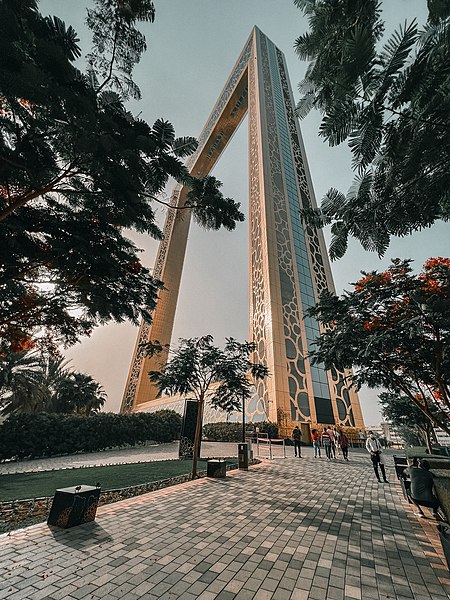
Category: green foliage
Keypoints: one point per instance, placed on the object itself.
(224, 431)
(232, 432)
(205, 372)
(41, 434)
(31, 382)
(402, 413)
(394, 329)
(197, 369)
(392, 106)
(77, 169)
(270, 428)
(410, 437)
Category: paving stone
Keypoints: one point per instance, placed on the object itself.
(259, 538)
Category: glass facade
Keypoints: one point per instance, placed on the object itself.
(318, 374)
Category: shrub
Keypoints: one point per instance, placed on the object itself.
(232, 432)
(42, 434)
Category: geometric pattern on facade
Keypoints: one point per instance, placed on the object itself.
(289, 265)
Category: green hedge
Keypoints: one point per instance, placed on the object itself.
(45, 434)
(232, 432)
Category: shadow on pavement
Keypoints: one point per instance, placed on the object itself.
(83, 536)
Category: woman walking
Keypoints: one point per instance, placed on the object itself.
(315, 442)
(343, 444)
(326, 442)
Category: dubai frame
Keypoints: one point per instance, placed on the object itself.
(289, 265)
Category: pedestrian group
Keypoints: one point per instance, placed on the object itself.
(334, 442)
(331, 439)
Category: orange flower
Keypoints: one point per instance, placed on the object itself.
(373, 324)
(22, 344)
(359, 285)
(431, 263)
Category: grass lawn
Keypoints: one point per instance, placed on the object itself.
(35, 485)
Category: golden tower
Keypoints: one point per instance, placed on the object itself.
(289, 265)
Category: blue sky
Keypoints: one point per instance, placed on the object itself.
(192, 46)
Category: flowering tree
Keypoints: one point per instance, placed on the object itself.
(78, 171)
(394, 329)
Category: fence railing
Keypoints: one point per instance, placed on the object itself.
(268, 448)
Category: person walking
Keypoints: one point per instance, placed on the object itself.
(333, 443)
(376, 454)
(297, 437)
(343, 445)
(336, 433)
(315, 442)
(362, 438)
(326, 442)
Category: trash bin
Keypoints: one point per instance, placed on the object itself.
(216, 468)
(74, 505)
(243, 456)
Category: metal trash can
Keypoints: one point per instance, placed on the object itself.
(243, 456)
(216, 468)
(74, 506)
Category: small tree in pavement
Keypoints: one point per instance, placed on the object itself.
(207, 373)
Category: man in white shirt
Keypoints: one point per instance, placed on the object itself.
(376, 454)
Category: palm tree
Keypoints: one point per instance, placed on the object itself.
(20, 382)
(31, 383)
(79, 393)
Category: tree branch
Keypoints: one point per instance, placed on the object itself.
(22, 200)
(113, 58)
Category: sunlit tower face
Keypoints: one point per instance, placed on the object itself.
(288, 261)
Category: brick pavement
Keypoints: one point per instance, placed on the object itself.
(288, 529)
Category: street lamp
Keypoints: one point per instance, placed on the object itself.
(243, 418)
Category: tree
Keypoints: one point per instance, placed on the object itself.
(404, 415)
(410, 437)
(394, 329)
(31, 382)
(20, 379)
(77, 170)
(207, 373)
(392, 106)
(79, 394)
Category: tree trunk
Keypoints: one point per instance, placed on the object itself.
(426, 432)
(434, 437)
(197, 437)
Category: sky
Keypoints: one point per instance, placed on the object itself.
(192, 47)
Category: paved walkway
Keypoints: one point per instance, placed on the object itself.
(113, 457)
(294, 529)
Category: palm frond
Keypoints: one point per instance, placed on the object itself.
(339, 240)
(366, 140)
(339, 121)
(332, 202)
(184, 146)
(67, 37)
(359, 49)
(395, 54)
(305, 105)
(164, 134)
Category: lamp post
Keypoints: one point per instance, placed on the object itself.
(243, 418)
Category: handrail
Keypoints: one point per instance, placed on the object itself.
(267, 443)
